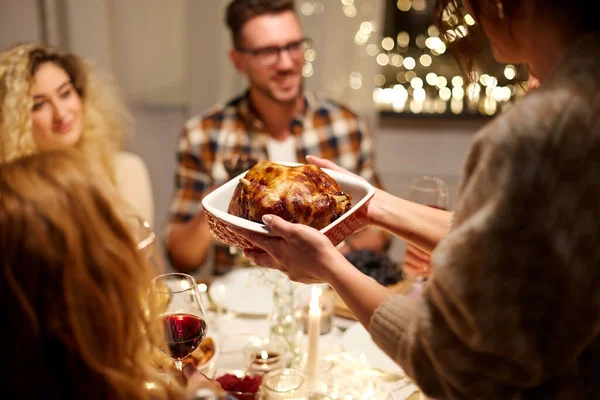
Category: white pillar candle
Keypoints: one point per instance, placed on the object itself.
(314, 331)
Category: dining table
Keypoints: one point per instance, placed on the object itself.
(236, 314)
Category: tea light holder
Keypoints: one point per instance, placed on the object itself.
(323, 381)
(284, 383)
(265, 354)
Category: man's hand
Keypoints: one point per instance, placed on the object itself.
(188, 243)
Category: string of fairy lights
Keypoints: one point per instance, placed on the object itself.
(416, 74)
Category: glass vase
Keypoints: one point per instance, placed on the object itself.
(283, 322)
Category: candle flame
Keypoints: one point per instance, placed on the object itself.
(264, 355)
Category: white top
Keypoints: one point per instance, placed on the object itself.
(133, 184)
(282, 150)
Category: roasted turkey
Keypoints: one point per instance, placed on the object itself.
(303, 194)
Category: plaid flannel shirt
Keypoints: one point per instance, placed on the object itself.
(324, 129)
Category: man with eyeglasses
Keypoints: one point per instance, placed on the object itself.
(274, 119)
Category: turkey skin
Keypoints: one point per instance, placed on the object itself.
(302, 194)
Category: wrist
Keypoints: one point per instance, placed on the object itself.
(335, 267)
(377, 209)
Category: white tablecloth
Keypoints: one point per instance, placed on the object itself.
(232, 332)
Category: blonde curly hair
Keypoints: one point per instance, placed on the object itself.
(105, 118)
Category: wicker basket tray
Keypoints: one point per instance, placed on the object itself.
(216, 205)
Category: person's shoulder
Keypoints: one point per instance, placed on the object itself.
(325, 104)
(215, 114)
(550, 111)
(130, 164)
(128, 160)
(550, 123)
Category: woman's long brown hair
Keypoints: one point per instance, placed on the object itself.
(72, 286)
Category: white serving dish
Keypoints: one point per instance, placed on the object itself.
(216, 205)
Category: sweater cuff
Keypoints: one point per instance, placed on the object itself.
(390, 322)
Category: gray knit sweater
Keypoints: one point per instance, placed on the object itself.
(512, 310)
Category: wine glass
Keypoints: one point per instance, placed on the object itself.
(177, 299)
(145, 238)
(433, 192)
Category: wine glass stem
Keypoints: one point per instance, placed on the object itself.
(179, 365)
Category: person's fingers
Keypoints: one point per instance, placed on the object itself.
(190, 371)
(410, 258)
(264, 242)
(196, 379)
(411, 268)
(179, 376)
(262, 259)
(322, 162)
(280, 227)
(416, 262)
(418, 253)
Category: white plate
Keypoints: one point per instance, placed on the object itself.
(357, 342)
(243, 291)
(217, 201)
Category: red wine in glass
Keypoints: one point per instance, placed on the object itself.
(184, 333)
(176, 299)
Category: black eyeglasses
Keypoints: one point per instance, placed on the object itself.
(270, 55)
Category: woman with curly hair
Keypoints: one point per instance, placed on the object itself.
(72, 288)
(50, 99)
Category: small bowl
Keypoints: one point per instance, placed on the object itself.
(216, 206)
(240, 395)
(205, 356)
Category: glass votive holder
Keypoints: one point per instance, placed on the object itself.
(283, 383)
(264, 354)
(326, 304)
(323, 381)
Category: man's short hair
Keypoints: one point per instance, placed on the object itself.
(241, 11)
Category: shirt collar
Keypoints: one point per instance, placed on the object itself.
(249, 114)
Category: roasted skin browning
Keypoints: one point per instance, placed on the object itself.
(303, 194)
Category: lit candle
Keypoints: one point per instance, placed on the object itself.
(314, 331)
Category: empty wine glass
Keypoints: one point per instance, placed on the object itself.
(145, 238)
(176, 298)
(433, 192)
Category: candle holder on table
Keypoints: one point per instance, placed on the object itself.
(283, 383)
(265, 354)
(322, 384)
